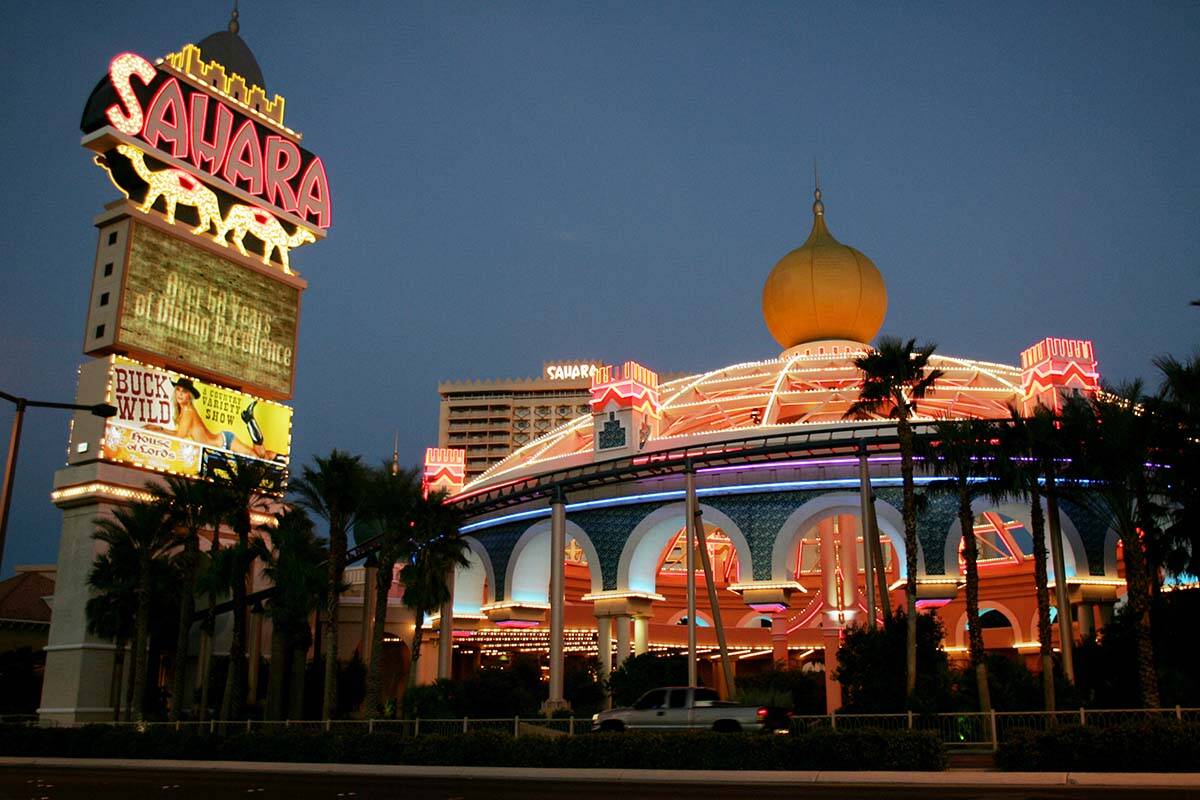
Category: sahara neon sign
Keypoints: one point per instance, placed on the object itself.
(187, 124)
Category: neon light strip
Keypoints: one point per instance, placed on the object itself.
(678, 494)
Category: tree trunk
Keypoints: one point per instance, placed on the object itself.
(141, 640)
(118, 678)
(278, 673)
(187, 607)
(235, 681)
(1045, 629)
(298, 666)
(966, 521)
(416, 647)
(383, 584)
(209, 631)
(1137, 582)
(337, 560)
(904, 431)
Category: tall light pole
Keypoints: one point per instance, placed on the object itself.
(103, 410)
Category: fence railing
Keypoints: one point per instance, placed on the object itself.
(965, 729)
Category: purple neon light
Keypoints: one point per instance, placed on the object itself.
(816, 462)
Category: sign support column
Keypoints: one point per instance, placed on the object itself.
(558, 535)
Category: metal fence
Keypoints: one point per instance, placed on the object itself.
(967, 730)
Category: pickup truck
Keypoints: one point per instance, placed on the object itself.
(687, 708)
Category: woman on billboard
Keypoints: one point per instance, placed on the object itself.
(190, 425)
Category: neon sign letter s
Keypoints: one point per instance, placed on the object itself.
(120, 73)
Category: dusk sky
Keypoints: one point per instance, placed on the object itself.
(520, 182)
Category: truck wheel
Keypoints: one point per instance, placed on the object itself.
(727, 726)
(612, 726)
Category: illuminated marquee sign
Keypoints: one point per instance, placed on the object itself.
(169, 422)
(445, 468)
(1054, 367)
(625, 408)
(569, 371)
(189, 116)
(184, 307)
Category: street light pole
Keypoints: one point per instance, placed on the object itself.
(103, 410)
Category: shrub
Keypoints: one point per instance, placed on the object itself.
(639, 674)
(825, 749)
(1163, 745)
(871, 667)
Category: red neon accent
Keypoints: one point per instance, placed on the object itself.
(772, 608)
(244, 161)
(313, 195)
(128, 120)
(282, 161)
(166, 120)
(185, 180)
(212, 150)
(517, 623)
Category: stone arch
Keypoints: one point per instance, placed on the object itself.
(1075, 559)
(960, 627)
(471, 581)
(746, 620)
(527, 578)
(703, 620)
(891, 525)
(637, 569)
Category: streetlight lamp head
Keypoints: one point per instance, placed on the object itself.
(104, 410)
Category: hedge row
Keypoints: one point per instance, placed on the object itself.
(1148, 746)
(826, 750)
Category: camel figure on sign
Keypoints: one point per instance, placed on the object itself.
(263, 226)
(176, 187)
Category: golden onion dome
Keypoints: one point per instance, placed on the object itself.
(823, 290)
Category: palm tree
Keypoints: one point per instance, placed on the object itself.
(896, 375)
(388, 520)
(112, 607)
(335, 491)
(192, 507)
(1178, 406)
(1020, 467)
(245, 492)
(295, 566)
(1117, 435)
(962, 453)
(435, 549)
(145, 529)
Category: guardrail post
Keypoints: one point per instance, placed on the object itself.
(464, 724)
(247, 726)
(212, 725)
(516, 726)
(995, 732)
(1178, 712)
(178, 725)
(1082, 718)
(833, 722)
(327, 725)
(571, 726)
(371, 725)
(910, 721)
(287, 723)
(417, 727)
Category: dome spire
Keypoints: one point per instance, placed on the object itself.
(818, 206)
(233, 19)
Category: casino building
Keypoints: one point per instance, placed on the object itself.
(578, 539)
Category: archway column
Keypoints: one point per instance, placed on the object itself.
(622, 622)
(604, 653)
(641, 635)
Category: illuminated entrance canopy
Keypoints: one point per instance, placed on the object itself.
(185, 123)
